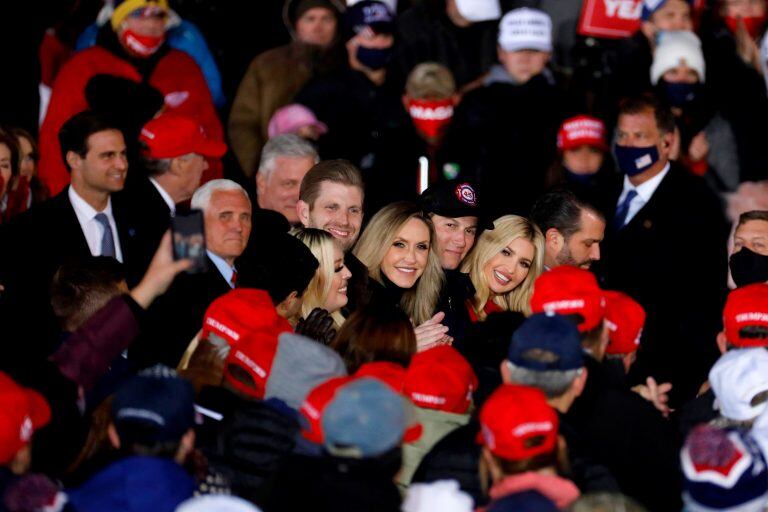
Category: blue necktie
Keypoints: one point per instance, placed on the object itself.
(621, 212)
(107, 241)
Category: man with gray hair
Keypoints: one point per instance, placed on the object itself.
(546, 353)
(285, 160)
(175, 317)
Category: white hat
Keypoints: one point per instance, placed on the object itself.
(525, 29)
(736, 378)
(673, 47)
(479, 10)
(216, 503)
(443, 495)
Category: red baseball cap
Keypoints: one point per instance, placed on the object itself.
(393, 375)
(517, 423)
(567, 290)
(314, 405)
(22, 411)
(253, 355)
(625, 319)
(440, 378)
(746, 307)
(172, 135)
(581, 131)
(241, 311)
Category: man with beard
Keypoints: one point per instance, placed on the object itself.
(331, 198)
(573, 229)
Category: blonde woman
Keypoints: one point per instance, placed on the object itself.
(397, 248)
(503, 266)
(328, 289)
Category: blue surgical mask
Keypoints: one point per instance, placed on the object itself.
(680, 94)
(373, 58)
(633, 160)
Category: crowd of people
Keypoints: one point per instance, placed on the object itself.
(429, 255)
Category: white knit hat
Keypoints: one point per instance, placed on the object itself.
(442, 495)
(479, 10)
(525, 29)
(673, 47)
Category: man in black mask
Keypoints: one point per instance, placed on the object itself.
(664, 246)
(749, 261)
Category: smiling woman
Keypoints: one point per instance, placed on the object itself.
(503, 266)
(397, 249)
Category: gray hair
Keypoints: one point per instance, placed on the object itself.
(287, 145)
(202, 196)
(553, 383)
(156, 166)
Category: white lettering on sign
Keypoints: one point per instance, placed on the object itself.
(623, 9)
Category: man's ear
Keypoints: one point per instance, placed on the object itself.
(114, 439)
(554, 240)
(186, 446)
(579, 382)
(261, 183)
(302, 210)
(287, 304)
(73, 160)
(649, 31)
(722, 342)
(506, 372)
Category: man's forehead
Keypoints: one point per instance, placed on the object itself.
(230, 200)
(754, 227)
(98, 140)
(339, 192)
(468, 220)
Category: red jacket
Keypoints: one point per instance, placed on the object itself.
(176, 76)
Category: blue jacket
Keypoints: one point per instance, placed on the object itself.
(135, 484)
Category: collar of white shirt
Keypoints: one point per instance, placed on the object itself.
(224, 269)
(85, 217)
(645, 190)
(166, 197)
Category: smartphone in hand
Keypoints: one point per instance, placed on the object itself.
(188, 230)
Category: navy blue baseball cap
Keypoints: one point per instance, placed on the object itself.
(546, 342)
(154, 406)
(371, 14)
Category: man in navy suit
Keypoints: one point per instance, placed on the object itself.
(173, 159)
(666, 247)
(79, 222)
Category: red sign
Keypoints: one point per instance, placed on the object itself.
(610, 18)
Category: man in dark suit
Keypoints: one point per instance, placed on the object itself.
(77, 223)
(176, 317)
(666, 247)
(173, 154)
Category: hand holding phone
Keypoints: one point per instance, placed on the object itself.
(188, 231)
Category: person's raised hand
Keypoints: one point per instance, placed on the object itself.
(318, 325)
(698, 149)
(655, 393)
(159, 274)
(432, 333)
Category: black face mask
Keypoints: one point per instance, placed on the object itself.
(748, 267)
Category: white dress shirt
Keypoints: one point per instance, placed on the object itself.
(224, 269)
(91, 228)
(644, 193)
(166, 197)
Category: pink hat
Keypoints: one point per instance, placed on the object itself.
(290, 118)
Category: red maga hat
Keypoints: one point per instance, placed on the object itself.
(567, 290)
(625, 319)
(314, 405)
(253, 357)
(581, 131)
(746, 307)
(517, 423)
(440, 378)
(172, 135)
(22, 411)
(240, 311)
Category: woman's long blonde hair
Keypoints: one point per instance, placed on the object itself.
(322, 245)
(491, 242)
(419, 302)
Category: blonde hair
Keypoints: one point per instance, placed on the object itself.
(430, 80)
(419, 302)
(322, 245)
(491, 242)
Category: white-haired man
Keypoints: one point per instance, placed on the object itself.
(175, 317)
